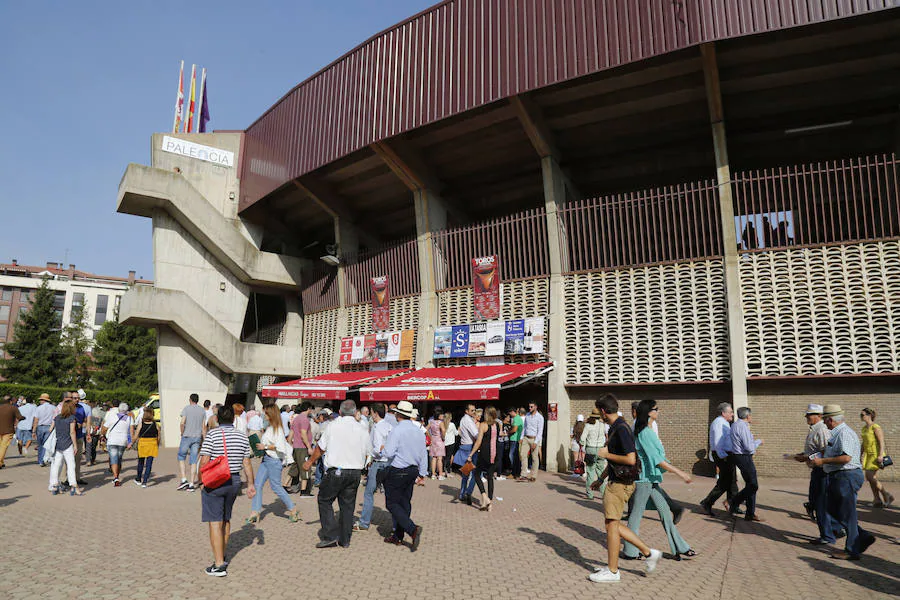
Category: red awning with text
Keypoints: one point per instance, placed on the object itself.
(333, 386)
(451, 383)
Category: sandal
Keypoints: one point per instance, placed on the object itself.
(293, 516)
(689, 554)
(76, 491)
(54, 490)
(252, 519)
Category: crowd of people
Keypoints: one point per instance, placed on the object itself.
(225, 449)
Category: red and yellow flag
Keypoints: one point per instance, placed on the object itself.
(190, 120)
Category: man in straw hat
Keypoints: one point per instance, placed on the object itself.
(405, 449)
(43, 420)
(816, 441)
(844, 477)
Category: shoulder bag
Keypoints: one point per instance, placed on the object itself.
(216, 472)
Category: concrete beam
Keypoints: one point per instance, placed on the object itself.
(144, 189)
(322, 193)
(155, 307)
(737, 354)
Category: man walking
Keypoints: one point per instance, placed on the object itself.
(620, 454)
(719, 451)
(117, 428)
(301, 441)
(380, 431)
(193, 418)
(844, 478)
(345, 449)
(24, 437)
(97, 416)
(468, 432)
(43, 420)
(743, 448)
(405, 449)
(9, 416)
(530, 442)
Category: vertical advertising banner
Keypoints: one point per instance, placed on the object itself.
(381, 303)
(486, 283)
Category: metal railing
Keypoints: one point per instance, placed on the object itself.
(399, 261)
(819, 203)
(673, 223)
(519, 241)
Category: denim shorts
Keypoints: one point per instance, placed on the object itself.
(116, 453)
(23, 435)
(217, 503)
(189, 444)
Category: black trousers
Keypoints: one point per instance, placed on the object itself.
(744, 462)
(727, 483)
(343, 487)
(398, 492)
(488, 471)
(92, 452)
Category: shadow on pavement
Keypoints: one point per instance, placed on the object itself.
(13, 500)
(866, 579)
(244, 538)
(586, 531)
(562, 548)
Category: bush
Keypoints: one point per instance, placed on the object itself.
(134, 398)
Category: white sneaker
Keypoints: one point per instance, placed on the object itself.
(137, 482)
(501, 478)
(651, 561)
(604, 575)
(441, 478)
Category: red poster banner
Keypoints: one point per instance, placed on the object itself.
(381, 303)
(486, 283)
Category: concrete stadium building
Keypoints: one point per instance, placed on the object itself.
(698, 198)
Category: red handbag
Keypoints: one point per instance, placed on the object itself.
(216, 472)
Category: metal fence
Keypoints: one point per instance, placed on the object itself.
(673, 223)
(820, 203)
(320, 288)
(399, 261)
(519, 241)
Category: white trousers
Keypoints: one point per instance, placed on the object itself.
(69, 456)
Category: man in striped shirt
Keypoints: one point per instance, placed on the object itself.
(844, 478)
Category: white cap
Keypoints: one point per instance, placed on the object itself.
(81, 394)
(579, 418)
(814, 409)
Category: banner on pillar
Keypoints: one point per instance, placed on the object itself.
(381, 347)
(486, 284)
(494, 338)
(381, 303)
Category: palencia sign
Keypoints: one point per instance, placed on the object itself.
(223, 158)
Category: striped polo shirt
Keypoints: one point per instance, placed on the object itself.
(238, 446)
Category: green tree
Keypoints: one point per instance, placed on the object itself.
(125, 356)
(75, 345)
(35, 355)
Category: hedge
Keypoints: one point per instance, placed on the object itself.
(134, 398)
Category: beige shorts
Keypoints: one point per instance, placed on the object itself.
(615, 499)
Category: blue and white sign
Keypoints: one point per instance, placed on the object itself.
(459, 341)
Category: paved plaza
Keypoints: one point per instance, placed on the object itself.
(541, 541)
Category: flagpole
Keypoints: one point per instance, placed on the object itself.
(200, 97)
(179, 100)
(190, 119)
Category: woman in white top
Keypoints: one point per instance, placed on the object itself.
(592, 439)
(451, 441)
(278, 454)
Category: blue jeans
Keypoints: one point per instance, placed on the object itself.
(365, 517)
(143, 469)
(189, 445)
(512, 456)
(828, 528)
(42, 432)
(468, 481)
(319, 473)
(269, 469)
(843, 486)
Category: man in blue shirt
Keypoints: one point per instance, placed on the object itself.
(743, 447)
(844, 477)
(24, 427)
(379, 434)
(405, 449)
(719, 453)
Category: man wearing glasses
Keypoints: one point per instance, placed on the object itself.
(532, 436)
(468, 432)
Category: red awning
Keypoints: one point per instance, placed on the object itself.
(333, 386)
(451, 383)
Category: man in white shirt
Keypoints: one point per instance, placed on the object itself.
(24, 438)
(468, 433)
(117, 428)
(719, 451)
(379, 434)
(530, 443)
(345, 448)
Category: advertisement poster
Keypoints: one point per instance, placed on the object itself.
(515, 337)
(533, 341)
(495, 345)
(381, 303)
(385, 346)
(442, 337)
(486, 293)
(477, 339)
(459, 341)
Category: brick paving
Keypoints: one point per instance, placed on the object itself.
(542, 539)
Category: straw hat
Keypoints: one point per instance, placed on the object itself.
(44, 397)
(814, 409)
(404, 408)
(832, 410)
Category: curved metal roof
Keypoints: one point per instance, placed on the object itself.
(462, 54)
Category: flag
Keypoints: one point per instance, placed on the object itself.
(190, 118)
(179, 101)
(204, 105)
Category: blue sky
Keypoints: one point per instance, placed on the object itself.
(86, 83)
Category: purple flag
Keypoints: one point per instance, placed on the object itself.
(204, 112)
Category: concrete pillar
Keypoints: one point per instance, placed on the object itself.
(557, 431)
(431, 216)
(347, 240)
(737, 354)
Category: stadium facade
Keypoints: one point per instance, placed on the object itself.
(698, 199)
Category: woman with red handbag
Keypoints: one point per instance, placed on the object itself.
(224, 452)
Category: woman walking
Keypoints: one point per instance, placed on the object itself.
(488, 450)
(592, 439)
(147, 447)
(872, 457)
(217, 502)
(653, 462)
(64, 426)
(278, 454)
(451, 441)
(437, 431)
